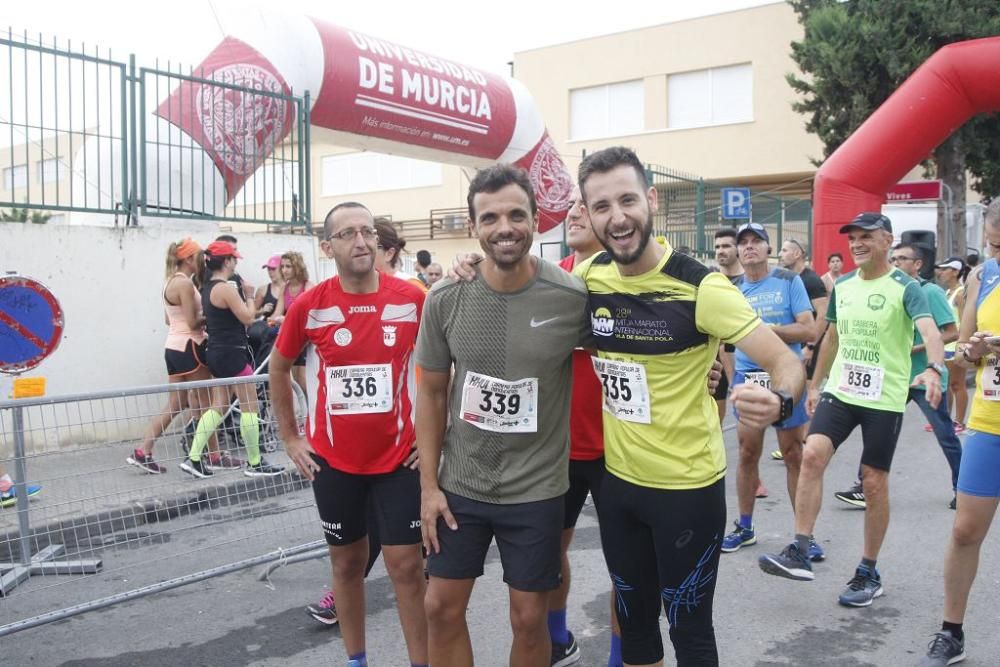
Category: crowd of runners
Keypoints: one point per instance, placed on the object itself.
(490, 407)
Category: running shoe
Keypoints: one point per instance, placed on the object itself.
(761, 490)
(9, 498)
(959, 428)
(224, 461)
(145, 461)
(740, 537)
(853, 496)
(815, 553)
(565, 654)
(263, 469)
(790, 563)
(863, 587)
(944, 650)
(196, 468)
(324, 611)
(777, 455)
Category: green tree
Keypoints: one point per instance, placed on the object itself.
(24, 215)
(855, 53)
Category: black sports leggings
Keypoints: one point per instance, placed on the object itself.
(662, 551)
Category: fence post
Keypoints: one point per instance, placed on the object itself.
(21, 489)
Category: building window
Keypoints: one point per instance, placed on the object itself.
(15, 177)
(51, 170)
(375, 172)
(710, 97)
(611, 110)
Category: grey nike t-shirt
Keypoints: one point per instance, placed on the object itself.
(513, 338)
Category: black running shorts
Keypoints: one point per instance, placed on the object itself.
(584, 477)
(228, 361)
(527, 536)
(879, 429)
(342, 499)
(184, 362)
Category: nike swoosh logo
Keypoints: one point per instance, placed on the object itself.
(539, 323)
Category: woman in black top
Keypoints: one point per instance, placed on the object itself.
(228, 355)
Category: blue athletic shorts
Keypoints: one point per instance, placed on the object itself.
(980, 471)
(799, 416)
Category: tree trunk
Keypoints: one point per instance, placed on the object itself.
(950, 160)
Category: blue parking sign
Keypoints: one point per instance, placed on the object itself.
(735, 203)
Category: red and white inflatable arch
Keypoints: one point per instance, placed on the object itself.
(366, 93)
(956, 83)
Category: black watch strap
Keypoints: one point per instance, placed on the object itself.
(787, 406)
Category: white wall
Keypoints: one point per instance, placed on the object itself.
(109, 281)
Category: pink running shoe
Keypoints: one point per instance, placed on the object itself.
(324, 611)
(145, 461)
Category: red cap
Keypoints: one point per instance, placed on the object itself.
(222, 249)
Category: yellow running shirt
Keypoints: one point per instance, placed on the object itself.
(985, 414)
(657, 335)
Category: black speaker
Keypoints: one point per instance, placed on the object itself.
(924, 241)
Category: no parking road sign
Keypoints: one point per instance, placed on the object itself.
(31, 323)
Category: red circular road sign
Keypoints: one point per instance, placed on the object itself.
(31, 323)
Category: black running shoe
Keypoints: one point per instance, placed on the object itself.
(263, 469)
(196, 468)
(944, 650)
(565, 654)
(854, 496)
(790, 563)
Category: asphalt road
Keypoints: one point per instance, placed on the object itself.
(761, 620)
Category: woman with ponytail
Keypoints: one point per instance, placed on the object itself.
(228, 355)
(184, 351)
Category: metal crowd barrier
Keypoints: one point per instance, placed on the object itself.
(102, 531)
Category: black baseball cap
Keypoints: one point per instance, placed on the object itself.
(868, 221)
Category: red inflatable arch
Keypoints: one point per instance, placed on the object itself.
(956, 83)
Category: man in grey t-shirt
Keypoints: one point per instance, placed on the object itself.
(510, 337)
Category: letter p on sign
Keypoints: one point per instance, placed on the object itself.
(735, 203)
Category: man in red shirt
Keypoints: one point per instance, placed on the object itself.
(358, 329)
(586, 451)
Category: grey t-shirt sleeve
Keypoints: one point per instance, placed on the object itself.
(432, 351)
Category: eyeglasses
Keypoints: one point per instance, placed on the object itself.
(901, 258)
(797, 244)
(367, 233)
(756, 226)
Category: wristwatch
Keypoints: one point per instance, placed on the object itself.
(787, 406)
(940, 369)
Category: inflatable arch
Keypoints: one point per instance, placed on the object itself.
(956, 83)
(366, 93)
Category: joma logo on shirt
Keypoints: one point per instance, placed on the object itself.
(362, 309)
